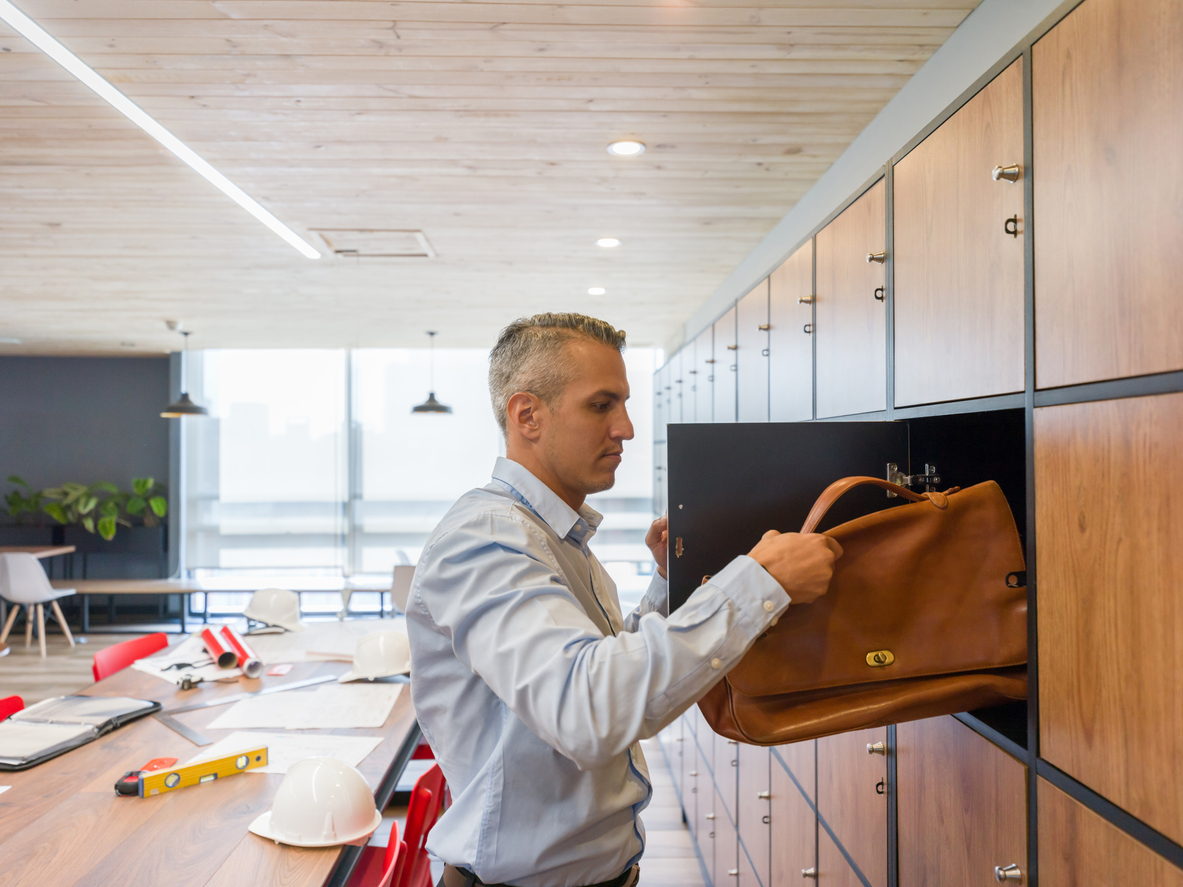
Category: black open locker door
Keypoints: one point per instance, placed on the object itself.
(730, 483)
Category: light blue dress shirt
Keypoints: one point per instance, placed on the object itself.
(534, 691)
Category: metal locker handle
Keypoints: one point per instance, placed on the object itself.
(809, 872)
(1007, 873)
(876, 258)
(876, 748)
(1011, 173)
(764, 796)
(734, 873)
(710, 816)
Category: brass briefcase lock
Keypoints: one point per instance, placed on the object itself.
(880, 658)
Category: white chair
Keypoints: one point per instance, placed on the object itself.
(400, 587)
(23, 581)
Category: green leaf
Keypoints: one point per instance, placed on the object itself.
(109, 508)
(16, 479)
(87, 503)
(55, 510)
(159, 505)
(74, 492)
(136, 505)
(54, 493)
(142, 485)
(104, 487)
(107, 528)
(88, 522)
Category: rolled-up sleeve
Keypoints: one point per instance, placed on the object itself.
(494, 588)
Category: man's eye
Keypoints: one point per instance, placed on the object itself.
(600, 406)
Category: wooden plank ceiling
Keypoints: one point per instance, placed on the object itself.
(482, 124)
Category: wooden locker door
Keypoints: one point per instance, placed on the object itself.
(751, 355)
(962, 805)
(1078, 848)
(689, 382)
(1109, 519)
(794, 826)
(790, 338)
(747, 871)
(958, 272)
(753, 811)
(678, 382)
(832, 868)
(851, 321)
(1106, 98)
(725, 367)
(704, 378)
(849, 781)
(707, 803)
(694, 781)
(726, 769)
(726, 863)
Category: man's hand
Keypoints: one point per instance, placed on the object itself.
(802, 564)
(658, 540)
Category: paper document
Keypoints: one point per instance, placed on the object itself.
(189, 657)
(4, 788)
(285, 749)
(328, 706)
(319, 641)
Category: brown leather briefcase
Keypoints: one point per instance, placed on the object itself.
(925, 616)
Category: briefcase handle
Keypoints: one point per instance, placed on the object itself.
(838, 488)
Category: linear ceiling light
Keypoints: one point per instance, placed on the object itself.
(36, 35)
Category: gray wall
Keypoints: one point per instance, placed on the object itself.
(83, 419)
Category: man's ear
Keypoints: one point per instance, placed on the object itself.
(525, 414)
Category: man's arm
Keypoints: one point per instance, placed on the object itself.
(493, 587)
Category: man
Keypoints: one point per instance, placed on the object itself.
(531, 688)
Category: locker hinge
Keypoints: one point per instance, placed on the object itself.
(929, 479)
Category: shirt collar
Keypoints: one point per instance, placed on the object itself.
(544, 502)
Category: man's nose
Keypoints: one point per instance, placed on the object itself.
(623, 428)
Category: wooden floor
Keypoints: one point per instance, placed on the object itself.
(64, 670)
(669, 859)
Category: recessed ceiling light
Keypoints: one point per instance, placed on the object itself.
(36, 35)
(9, 340)
(596, 291)
(626, 148)
(608, 242)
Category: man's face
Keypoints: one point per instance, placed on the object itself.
(584, 436)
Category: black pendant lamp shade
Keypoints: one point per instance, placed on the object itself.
(431, 405)
(183, 406)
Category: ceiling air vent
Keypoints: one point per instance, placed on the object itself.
(376, 243)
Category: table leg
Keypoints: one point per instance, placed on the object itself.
(85, 613)
(184, 607)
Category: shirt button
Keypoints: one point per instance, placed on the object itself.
(716, 663)
(579, 528)
(769, 606)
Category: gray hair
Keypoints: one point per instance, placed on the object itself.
(528, 356)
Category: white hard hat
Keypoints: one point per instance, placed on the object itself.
(275, 606)
(379, 654)
(321, 802)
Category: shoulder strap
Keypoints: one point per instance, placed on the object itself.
(838, 488)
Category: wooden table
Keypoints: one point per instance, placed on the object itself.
(61, 823)
(38, 551)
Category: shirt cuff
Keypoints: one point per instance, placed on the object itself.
(657, 596)
(753, 590)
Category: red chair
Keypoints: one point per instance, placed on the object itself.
(415, 833)
(396, 859)
(120, 656)
(418, 865)
(10, 706)
(380, 867)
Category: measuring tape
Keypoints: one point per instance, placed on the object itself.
(145, 783)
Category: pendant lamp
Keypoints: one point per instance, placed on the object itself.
(431, 405)
(183, 406)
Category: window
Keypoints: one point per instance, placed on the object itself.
(312, 471)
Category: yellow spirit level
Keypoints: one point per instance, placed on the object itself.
(194, 774)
